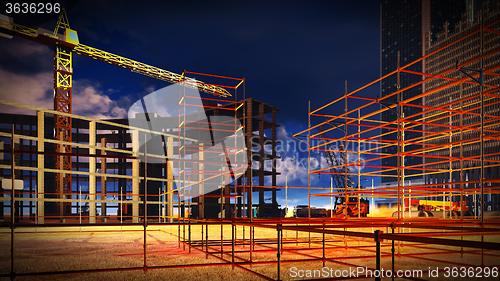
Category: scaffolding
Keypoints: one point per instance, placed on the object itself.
(437, 164)
(441, 147)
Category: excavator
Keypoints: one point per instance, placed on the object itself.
(344, 206)
(431, 208)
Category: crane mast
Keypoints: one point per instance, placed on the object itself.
(66, 42)
(63, 84)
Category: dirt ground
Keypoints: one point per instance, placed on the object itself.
(79, 248)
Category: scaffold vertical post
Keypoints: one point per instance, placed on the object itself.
(323, 244)
(393, 250)
(145, 204)
(278, 250)
(481, 115)
(206, 241)
(309, 167)
(232, 245)
(377, 236)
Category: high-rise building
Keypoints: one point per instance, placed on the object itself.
(477, 50)
(406, 26)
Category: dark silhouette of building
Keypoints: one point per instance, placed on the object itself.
(406, 27)
(478, 46)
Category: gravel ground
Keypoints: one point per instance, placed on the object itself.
(77, 248)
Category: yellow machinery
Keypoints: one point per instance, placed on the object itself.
(66, 42)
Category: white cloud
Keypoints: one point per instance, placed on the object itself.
(90, 101)
(293, 164)
(291, 167)
(282, 133)
(36, 90)
(291, 202)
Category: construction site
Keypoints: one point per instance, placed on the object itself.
(193, 194)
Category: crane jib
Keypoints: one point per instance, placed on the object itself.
(70, 41)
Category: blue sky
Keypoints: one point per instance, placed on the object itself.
(288, 51)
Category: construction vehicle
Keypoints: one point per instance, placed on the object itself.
(269, 210)
(350, 208)
(65, 42)
(429, 208)
(302, 211)
(344, 206)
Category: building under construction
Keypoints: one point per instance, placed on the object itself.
(194, 194)
(114, 134)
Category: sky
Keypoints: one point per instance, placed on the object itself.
(289, 52)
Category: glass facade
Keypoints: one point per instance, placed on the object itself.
(403, 26)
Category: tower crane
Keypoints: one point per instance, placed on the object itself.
(66, 42)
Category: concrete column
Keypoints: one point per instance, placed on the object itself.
(40, 181)
(92, 170)
(249, 174)
(201, 187)
(262, 155)
(135, 176)
(103, 178)
(170, 179)
(273, 155)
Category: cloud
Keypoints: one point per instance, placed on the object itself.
(23, 56)
(36, 90)
(291, 166)
(291, 202)
(24, 79)
(282, 133)
(293, 161)
(89, 100)
(25, 48)
(291, 169)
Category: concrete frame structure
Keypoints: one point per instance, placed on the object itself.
(108, 182)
